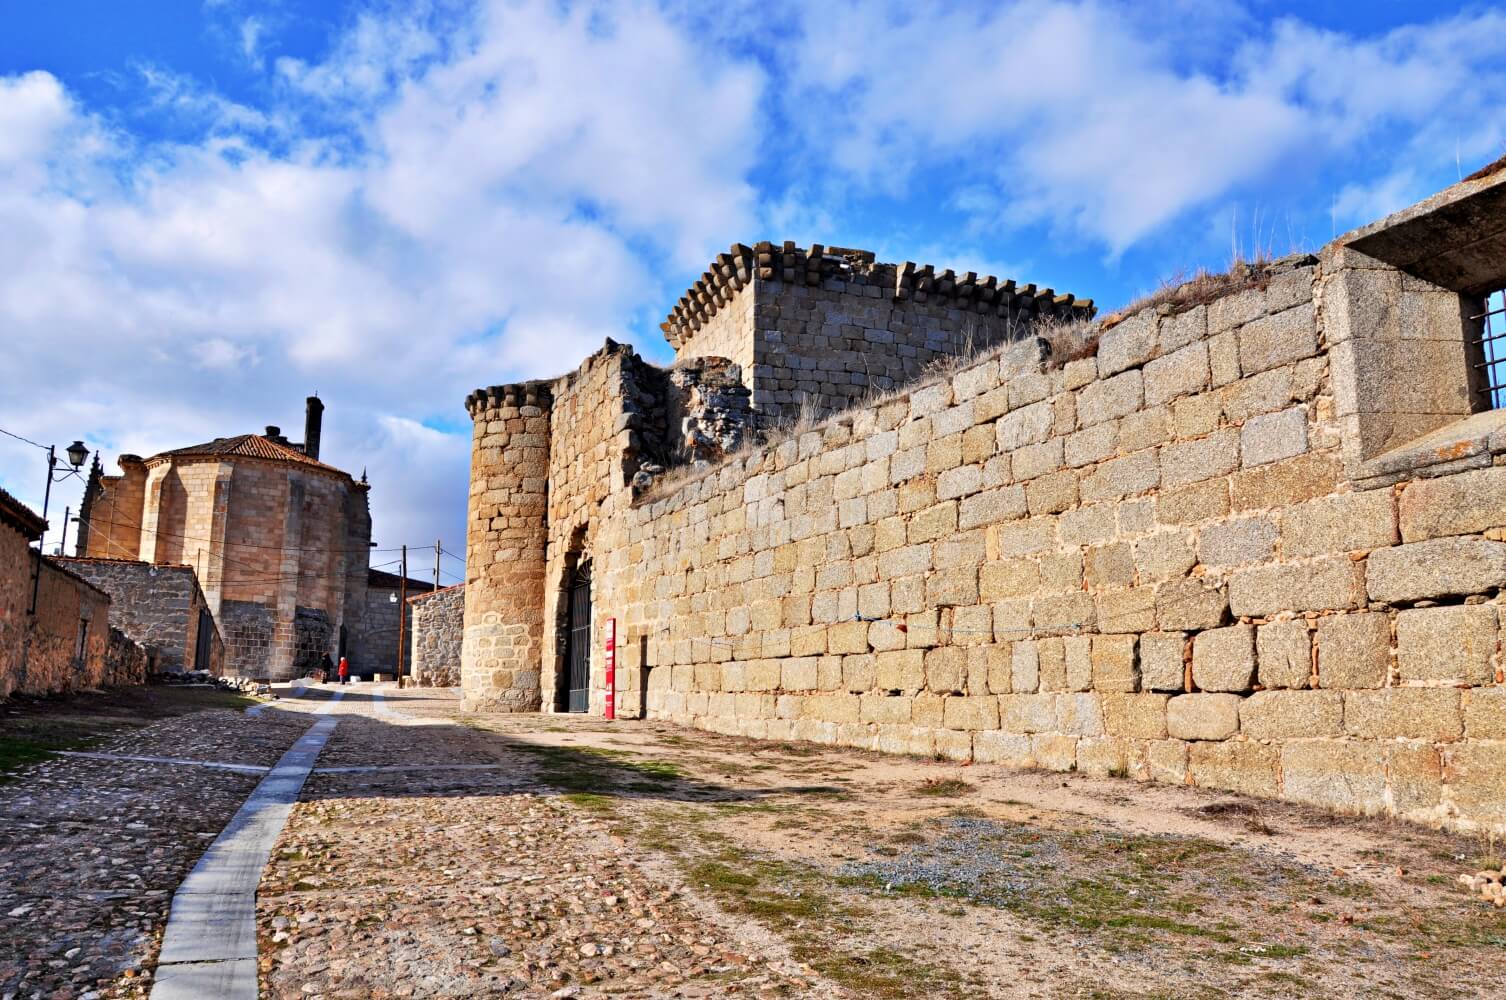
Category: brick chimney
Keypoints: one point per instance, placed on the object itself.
(313, 420)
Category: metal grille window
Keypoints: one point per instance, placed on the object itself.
(1489, 359)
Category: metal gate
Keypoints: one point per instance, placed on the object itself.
(578, 649)
(201, 650)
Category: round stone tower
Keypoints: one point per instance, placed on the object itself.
(501, 655)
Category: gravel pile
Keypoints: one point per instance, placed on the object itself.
(978, 858)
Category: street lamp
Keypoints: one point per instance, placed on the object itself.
(77, 452)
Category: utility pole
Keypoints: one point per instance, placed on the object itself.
(437, 550)
(63, 545)
(402, 615)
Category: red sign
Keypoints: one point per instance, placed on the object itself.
(611, 661)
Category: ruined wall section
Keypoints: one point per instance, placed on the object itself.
(67, 641)
(609, 420)
(829, 327)
(438, 632)
(507, 539)
(1147, 562)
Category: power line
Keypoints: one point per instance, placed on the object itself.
(20, 438)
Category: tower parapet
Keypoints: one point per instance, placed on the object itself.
(502, 648)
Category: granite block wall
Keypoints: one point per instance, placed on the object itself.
(1149, 562)
(438, 632)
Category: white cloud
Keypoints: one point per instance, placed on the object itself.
(494, 201)
(1092, 116)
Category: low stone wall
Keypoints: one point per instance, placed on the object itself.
(125, 660)
(1149, 562)
(158, 606)
(438, 629)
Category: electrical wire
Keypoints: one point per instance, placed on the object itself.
(24, 439)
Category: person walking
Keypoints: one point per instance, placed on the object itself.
(344, 670)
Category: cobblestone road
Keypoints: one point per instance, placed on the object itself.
(438, 880)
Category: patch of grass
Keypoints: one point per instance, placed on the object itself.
(793, 900)
(945, 787)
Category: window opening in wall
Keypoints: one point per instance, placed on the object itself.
(1490, 352)
(83, 642)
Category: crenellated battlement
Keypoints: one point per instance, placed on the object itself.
(812, 266)
(537, 392)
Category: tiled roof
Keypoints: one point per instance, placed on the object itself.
(377, 578)
(251, 446)
(21, 517)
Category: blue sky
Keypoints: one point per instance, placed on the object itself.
(215, 207)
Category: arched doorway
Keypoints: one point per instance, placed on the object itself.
(575, 679)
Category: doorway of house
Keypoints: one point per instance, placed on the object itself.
(578, 640)
(201, 649)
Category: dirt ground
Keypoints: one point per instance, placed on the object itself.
(900, 877)
(439, 854)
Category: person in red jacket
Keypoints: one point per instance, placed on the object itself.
(344, 670)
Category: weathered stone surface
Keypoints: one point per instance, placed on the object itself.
(1277, 339)
(1335, 774)
(1332, 584)
(1485, 713)
(1283, 651)
(1475, 775)
(1136, 716)
(1190, 604)
(1079, 714)
(1167, 761)
(1406, 713)
(1236, 766)
(1354, 651)
(1469, 503)
(1177, 374)
(1223, 659)
(1110, 398)
(1185, 462)
(1414, 773)
(1339, 524)
(1236, 542)
(1114, 665)
(1272, 437)
(1285, 715)
(1202, 716)
(1455, 644)
(1442, 567)
(1161, 663)
(1131, 342)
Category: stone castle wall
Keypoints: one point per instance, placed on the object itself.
(1149, 562)
(1256, 541)
(438, 633)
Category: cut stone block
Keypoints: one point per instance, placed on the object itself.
(1202, 716)
(1443, 567)
(1283, 651)
(1223, 659)
(1354, 651)
(1447, 644)
(1284, 715)
(1404, 713)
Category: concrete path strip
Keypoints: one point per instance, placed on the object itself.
(87, 755)
(209, 948)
